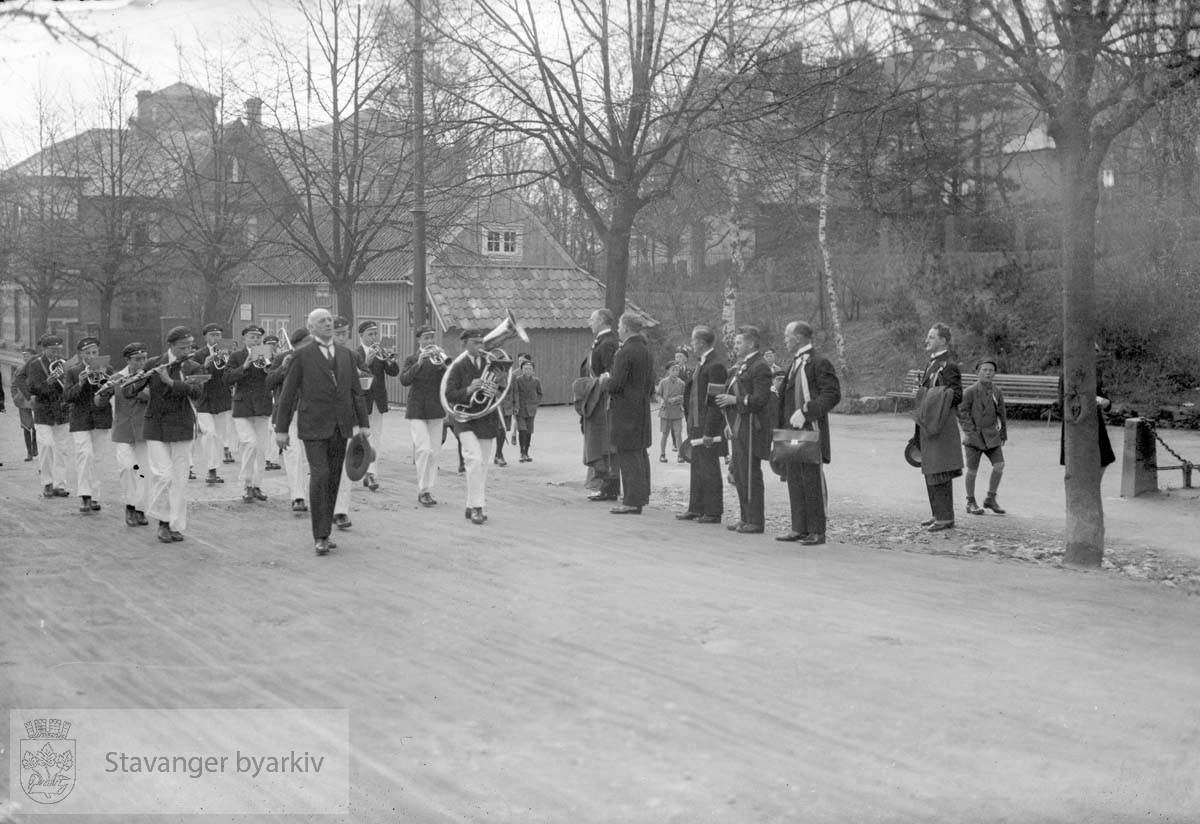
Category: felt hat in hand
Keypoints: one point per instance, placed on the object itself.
(359, 455)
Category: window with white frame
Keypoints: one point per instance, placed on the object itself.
(502, 241)
(273, 324)
(388, 330)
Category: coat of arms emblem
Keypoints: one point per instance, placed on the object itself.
(47, 760)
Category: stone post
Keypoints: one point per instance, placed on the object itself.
(1139, 466)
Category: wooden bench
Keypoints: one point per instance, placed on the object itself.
(1018, 390)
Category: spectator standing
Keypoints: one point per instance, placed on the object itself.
(529, 397)
(984, 422)
(749, 426)
(705, 424)
(24, 403)
(630, 387)
(939, 394)
(670, 412)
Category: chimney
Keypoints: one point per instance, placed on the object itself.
(145, 113)
(253, 111)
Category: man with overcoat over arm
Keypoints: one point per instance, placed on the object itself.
(936, 413)
(630, 387)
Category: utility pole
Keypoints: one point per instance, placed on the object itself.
(419, 211)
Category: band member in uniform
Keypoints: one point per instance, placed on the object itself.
(47, 374)
(371, 357)
(295, 462)
(809, 391)
(91, 420)
(169, 428)
(213, 416)
(599, 453)
(128, 434)
(706, 501)
(477, 436)
(422, 374)
(745, 401)
(322, 388)
(251, 412)
(24, 403)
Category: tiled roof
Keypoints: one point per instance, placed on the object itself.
(477, 297)
(280, 262)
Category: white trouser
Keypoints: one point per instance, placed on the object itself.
(254, 436)
(54, 448)
(375, 419)
(427, 443)
(87, 444)
(133, 468)
(341, 506)
(477, 455)
(168, 482)
(228, 435)
(295, 463)
(206, 451)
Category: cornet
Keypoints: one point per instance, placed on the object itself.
(381, 353)
(58, 369)
(434, 354)
(220, 359)
(95, 377)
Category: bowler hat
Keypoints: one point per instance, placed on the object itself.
(359, 455)
(912, 453)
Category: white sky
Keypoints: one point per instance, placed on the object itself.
(147, 32)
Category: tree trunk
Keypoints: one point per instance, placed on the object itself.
(616, 256)
(106, 305)
(344, 290)
(827, 255)
(737, 267)
(1085, 510)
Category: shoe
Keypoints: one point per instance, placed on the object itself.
(342, 521)
(228, 456)
(626, 510)
(370, 483)
(191, 475)
(477, 516)
(85, 508)
(131, 518)
(709, 519)
(164, 534)
(501, 462)
(688, 516)
(95, 505)
(322, 546)
(791, 536)
(602, 496)
(930, 522)
(330, 544)
(425, 499)
(462, 467)
(528, 459)
(248, 495)
(681, 460)
(734, 526)
(258, 493)
(990, 503)
(60, 492)
(973, 508)
(214, 478)
(298, 505)
(813, 539)
(270, 465)
(48, 491)
(141, 518)
(662, 458)
(28, 458)
(938, 526)
(750, 529)
(175, 536)
(470, 512)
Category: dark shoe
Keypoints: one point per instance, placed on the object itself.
(342, 521)
(709, 519)
(370, 483)
(688, 516)
(990, 503)
(131, 518)
(191, 475)
(477, 516)
(298, 505)
(929, 522)
(258, 493)
(791, 536)
(734, 526)
(85, 508)
(425, 499)
(214, 478)
(330, 544)
(322, 546)
(972, 508)
(95, 505)
(501, 462)
(462, 467)
(59, 492)
(602, 496)
(141, 518)
(626, 510)
(750, 529)
(938, 526)
(175, 536)
(164, 533)
(28, 458)
(48, 491)
(270, 465)
(470, 512)
(228, 456)
(248, 495)
(813, 539)
(662, 458)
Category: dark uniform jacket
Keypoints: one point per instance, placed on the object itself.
(630, 389)
(251, 397)
(749, 419)
(80, 394)
(824, 389)
(377, 396)
(169, 415)
(215, 396)
(704, 418)
(462, 372)
(424, 382)
(49, 407)
(326, 395)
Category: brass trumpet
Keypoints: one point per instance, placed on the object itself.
(220, 359)
(381, 353)
(57, 371)
(434, 354)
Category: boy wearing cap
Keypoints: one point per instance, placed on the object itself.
(90, 421)
(370, 357)
(423, 377)
(213, 407)
(128, 434)
(24, 403)
(50, 416)
(252, 405)
(984, 422)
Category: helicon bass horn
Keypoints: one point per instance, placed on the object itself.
(496, 377)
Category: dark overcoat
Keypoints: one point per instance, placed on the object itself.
(749, 419)
(825, 392)
(704, 418)
(941, 452)
(325, 394)
(630, 388)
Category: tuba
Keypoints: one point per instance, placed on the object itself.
(496, 377)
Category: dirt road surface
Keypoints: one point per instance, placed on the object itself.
(561, 664)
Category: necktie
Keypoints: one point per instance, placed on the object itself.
(327, 348)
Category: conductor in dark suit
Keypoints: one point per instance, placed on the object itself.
(745, 403)
(322, 387)
(630, 386)
(705, 421)
(810, 389)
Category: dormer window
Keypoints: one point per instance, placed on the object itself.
(502, 241)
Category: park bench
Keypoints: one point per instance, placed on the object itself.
(1018, 390)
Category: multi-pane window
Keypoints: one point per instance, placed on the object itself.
(502, 241)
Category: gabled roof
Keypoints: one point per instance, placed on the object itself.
(282, 263)
(478, 297)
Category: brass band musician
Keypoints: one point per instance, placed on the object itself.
(372, 357)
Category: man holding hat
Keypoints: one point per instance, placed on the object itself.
(423, 377)
(213, 407)
(477, 436)
(128, 435)
(295, 462)
(984, 422)
(371, 358)
(90, 420)
(50, 416)
(252, 405)
(24, 403)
